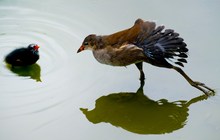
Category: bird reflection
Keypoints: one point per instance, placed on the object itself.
(136, 113)
(32, 71)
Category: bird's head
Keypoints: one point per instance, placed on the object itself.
(89, 43)
(33, 47)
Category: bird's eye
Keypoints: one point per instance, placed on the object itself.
(86, 43)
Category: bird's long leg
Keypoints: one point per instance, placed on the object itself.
(196, 84)
(140, 68)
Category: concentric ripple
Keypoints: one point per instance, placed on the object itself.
(56, 37)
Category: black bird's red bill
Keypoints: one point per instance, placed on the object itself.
(36, 47)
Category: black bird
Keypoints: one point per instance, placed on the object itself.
(23, 56)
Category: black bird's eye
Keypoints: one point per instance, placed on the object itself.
(86, 43)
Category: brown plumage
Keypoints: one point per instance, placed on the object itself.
(143, 42)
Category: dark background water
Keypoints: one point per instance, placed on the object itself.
(71, 96)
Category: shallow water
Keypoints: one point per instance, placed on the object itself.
(71, 96)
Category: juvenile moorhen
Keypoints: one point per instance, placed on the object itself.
(23, 56)
(143, 42)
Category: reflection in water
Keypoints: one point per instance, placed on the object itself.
(32, 71)
(136, 113)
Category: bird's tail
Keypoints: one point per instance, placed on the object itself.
(164, 45)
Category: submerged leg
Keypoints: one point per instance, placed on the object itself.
(195, 84)
(140, 67)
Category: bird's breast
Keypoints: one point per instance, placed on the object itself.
(121, 56)
(103, 56)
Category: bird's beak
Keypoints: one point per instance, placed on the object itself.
(36, 47)
(81, 49)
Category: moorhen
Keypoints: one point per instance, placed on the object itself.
(143, 42)
(23, 56)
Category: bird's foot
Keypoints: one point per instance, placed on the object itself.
(201, 86)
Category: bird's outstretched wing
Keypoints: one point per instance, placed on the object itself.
(160, 46)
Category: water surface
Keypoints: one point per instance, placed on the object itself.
(71, 96)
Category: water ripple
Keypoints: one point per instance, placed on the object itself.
(55, 35)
